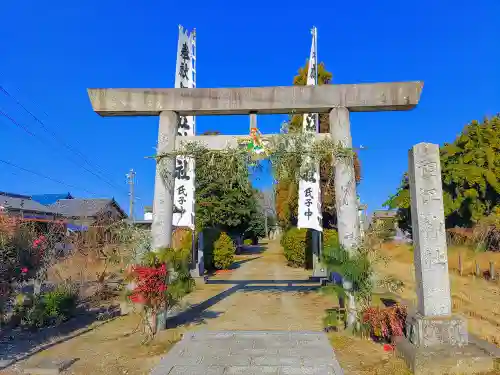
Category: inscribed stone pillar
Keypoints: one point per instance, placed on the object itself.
(345, 181)
(429, 236)
(161, 229)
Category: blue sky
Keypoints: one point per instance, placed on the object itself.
(52, 51)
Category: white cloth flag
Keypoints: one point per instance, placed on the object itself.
(309, 212)
(184, 166)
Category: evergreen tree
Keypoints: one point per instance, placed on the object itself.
(470, 168)
(287, 190)
(224, 202)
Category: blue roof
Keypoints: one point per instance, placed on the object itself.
(77, 228)
(47, 199)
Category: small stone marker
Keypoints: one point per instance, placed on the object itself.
(50, 367)
(436, 341)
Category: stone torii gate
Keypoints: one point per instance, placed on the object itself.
(337, 100)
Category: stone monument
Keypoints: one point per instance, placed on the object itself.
(436, 340)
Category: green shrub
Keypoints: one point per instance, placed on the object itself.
(210, 235)
(355, 267)
(186, 242)
(294, 242)
(248, 242)
(60, 304)
(183, 283)
(34, 315)
(224, 250)
(49, 308)
(330, 238)
(179, 261)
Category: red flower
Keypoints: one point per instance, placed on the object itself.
(24, 270)
(137, 298)
(150, 285)
(388, 348)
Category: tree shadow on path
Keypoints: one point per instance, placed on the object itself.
(196, 313)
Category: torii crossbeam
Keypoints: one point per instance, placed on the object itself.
(399, 96)
(337, 100)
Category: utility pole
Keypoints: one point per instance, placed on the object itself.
(131, 182)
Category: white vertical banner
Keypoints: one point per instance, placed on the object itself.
(309, 211)
(184, 166)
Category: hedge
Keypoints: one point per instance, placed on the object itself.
(294, 242)
(210, 235)
(224, 250)
(330, 238)
(297, 248)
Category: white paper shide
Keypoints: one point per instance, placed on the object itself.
(184, 166)
(309, 212)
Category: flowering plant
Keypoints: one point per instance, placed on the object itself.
(387, 322)
(150, 286)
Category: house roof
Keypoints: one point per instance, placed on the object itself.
(384, 214)
(84, 207)
(23, 203)
(47, 199)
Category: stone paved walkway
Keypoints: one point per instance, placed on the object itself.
(250, 352)
(267, 297)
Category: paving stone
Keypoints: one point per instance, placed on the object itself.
(271, 360)
(230, 360)
(312, 353)
(197, 370)
(5, 363)
(247, 352)
(316, 370)
(238, 370)
(258, 352)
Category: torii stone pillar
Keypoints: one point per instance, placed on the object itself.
(163, 203)
(338, 100)
(346, 200)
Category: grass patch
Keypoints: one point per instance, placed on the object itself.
(364, 357)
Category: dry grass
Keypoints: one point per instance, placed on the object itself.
(402, 253)
(111, 349)
(364, 357)
(475, 298)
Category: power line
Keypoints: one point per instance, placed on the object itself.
(24, 128)
(58, 139)
(43, 176)
(17, 124)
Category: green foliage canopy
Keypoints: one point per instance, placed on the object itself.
(471, 177)
(228, 201)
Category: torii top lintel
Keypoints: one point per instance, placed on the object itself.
(397, 96)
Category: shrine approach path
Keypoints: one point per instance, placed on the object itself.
(261, 317)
